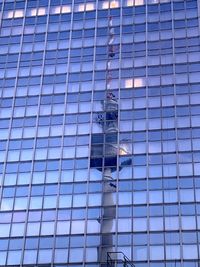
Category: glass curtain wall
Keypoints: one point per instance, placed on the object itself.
(52, 83)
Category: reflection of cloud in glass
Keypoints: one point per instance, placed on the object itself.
(80, 8)
(19, 14)
(139, 2)
(39, 12)
(114, 4)
(105, 5)
(130, 3)
(128, 83)
(89, 7)
(66, 9)
(139, 82)
(10, 15)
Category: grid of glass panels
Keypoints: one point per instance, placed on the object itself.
(52, 75)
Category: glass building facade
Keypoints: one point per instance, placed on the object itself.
(53, 58)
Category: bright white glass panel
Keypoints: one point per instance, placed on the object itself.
(139, 2)
(130, 3)
(66, 9)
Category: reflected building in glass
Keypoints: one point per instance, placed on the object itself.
(100, 133)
